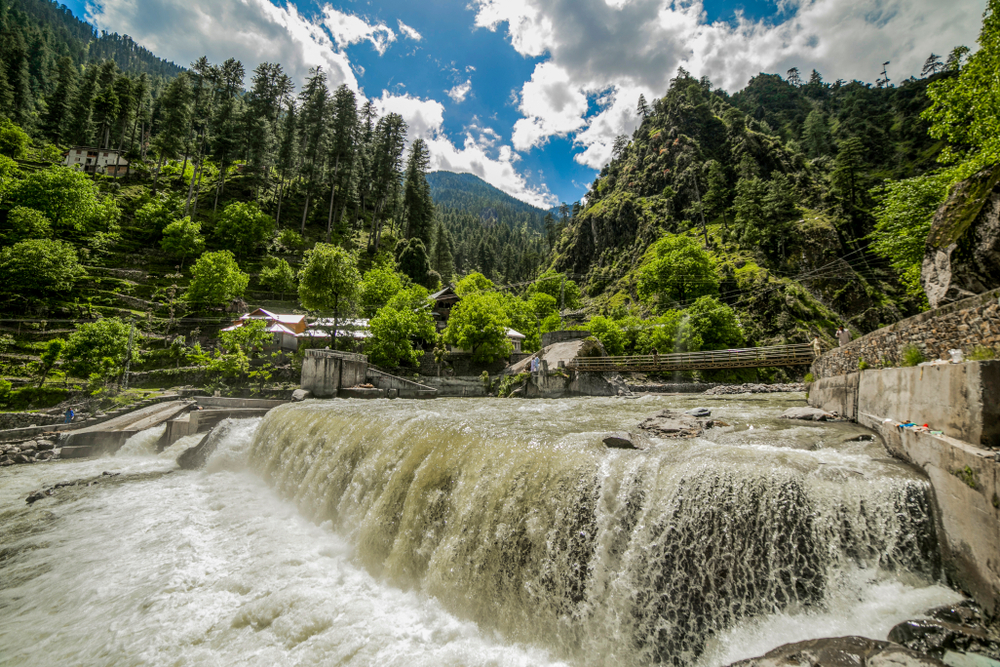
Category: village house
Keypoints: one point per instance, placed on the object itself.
(290, 331)
(99, 161)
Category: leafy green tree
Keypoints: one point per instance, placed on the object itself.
(609, 333)
(182, 239)
(478, 323)
(278, 276)
(13, 140)
(38, 269)
(25, 223)
(473, 283)
(99, 349)
(764, 213)
(52, 353)
(68, 198)
(816, 134)
(677, 269)
(903, 214)
(237, 349)
(216, 279)
(555, 284)
(965, 109)
(9, 174)
(551, 323)
(158, 212)
(396, 325)
(543, 305)
(716, 324)
(328, 281)
(378, 286)
(524, 321)
(669, 333)
(244, 227)
(175, 104)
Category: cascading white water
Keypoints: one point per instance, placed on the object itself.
(442, 522)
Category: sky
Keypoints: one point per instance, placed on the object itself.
(530, 94)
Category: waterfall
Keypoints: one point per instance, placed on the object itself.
(515, 516)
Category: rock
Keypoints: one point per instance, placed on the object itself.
(6, 462)
(935, 637)
(301, 395)
(841, 652)
(21, 458)
(44, 446)
(962, 255)
(45, 456)
(38, 495)
(753, 388)
(620, 440)
(671, 424)
(808, 414)
(699, 412)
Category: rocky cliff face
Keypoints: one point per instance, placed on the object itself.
(963, 249)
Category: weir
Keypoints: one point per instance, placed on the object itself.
(521, 520)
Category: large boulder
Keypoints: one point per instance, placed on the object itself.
(962, 257)
(841, 652)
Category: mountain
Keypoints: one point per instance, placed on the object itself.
(491, 232)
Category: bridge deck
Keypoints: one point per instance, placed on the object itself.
(755, 357)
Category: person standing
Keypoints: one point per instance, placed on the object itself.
(843, 336)
(69, 415)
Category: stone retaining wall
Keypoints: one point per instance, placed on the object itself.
(961, 325)
(10, 420)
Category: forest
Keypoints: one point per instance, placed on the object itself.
(767, 216)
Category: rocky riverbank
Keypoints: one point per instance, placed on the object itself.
(752, 388)
(28, 451)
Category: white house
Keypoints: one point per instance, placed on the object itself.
(100, 161)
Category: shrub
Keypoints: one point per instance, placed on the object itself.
(863, 365)
(982, 353)
(912, 356)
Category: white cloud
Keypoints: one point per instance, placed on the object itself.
(409, 31)
(349, 29)
(635, 46)
(479, 154)
(459, 92)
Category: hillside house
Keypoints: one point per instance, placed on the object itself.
(97, 161)
(286, 329)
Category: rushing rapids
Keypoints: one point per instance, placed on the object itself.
(466, 532)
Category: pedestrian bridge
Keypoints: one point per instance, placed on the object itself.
(754, 357)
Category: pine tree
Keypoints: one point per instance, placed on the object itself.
(793, 77)
(417, 194)
(81, 125)
(343, 135)
(175, 106)
(442, 253)
(932, 65)
(58, 114)
(312, 129)
(816, 134)
(225, 123)
(642, 110)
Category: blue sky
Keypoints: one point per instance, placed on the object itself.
(530, 94)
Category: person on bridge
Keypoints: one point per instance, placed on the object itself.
(843, 336)
(69, 415)
(817, 346)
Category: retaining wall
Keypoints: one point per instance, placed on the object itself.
(961, 325)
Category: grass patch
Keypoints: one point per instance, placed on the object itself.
(911, 356)
(968, 476)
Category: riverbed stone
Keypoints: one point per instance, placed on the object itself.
(698, 412)
(44, 445)
(673, 424)
(808, 414)
(936, 637)
(301, 395)
(621, 440)
(841, 652)
(21, 458)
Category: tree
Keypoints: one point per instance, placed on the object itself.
(555, 284)
(379, 285)
(329, 281)
(25, 223)
(816, 134)
(157, 213)
(677, 269)
(312, 129)
(932, 65)
(794, 78)
(903, 213)
(175, 121)
(642, 109)
(278, 276)
(396, 325)
(443, 253)
(717, 197)
(669, 333)
(764, 211)
(417, 202)
(53, 351)
(237, 348)
(13, 140)
(69, 199)
(609, 333)
(182, 238)
(413, 263)
(479, 323)
(473, 283)
(37, 269)
(98, 350)
(244, 227)
(216, 280)
(715, 324)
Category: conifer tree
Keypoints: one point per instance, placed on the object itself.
(81, 125)
(58, 113)
(417, 194)
(312, 129)
(175, 105)
(442, 253)
(343, 135)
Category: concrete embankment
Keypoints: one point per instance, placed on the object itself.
(960, 404)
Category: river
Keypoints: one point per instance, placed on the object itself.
(467, 532)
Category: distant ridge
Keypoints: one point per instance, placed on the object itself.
(452, 189)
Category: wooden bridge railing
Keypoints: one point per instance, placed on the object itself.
(755, 357)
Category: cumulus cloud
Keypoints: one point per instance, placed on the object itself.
(480, 153)
(609, 51)
(409, 32)
(460, 92)
(349, 29)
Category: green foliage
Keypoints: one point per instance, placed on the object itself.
(98, 350)
(982, 353)
(216, 280)
(396, 325)
(182, 238)
(5, 387)
(329, 279)
(52, 353)
(559, 288)
(157, 213)
(716, 324)
(508, 383)
(911, 355)
(13, 140)
(277, 275)
(291, 240)
(69, 199)
(903, 216)
(479, 323)
(25, 223)
(379, 284)
(677, 270)
(668, 333)
(609, 333)
(968, 477)
(764, 211)
(965, 108)
(809, 378)
(551, 323)
(245, 228)
(523, 320)
(413, 262)
(9, 173)
(473, 284)
(237, 349)
(863, 365)
(37, 268)
(35, 398)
